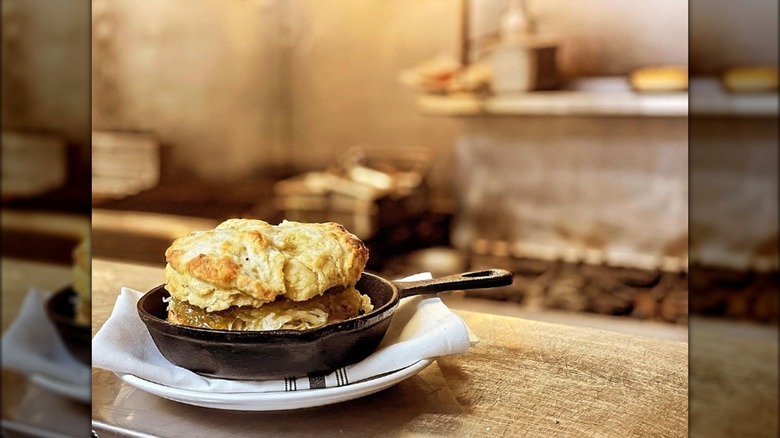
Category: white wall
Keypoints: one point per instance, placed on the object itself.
(601, 37)
(616, 185)
(237, 85)
(45, 67)
(203, 75)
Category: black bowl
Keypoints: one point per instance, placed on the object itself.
(273, 354)
(76, 336)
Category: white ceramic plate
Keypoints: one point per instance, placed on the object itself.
(81, 393)
(276, 401)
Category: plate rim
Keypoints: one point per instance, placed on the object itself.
(276, 400)
(61, 387)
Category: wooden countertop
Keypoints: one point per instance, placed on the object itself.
(27, 408)
(524, 378)
(21, 275)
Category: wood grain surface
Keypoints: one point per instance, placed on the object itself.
(20, 276)
(733, 379)
(524, 378)
(42, 236)
(26, 406)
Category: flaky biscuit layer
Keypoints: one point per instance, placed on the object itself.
(247, 262)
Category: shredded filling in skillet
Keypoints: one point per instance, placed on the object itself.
(336, 304)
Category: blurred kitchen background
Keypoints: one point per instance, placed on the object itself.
(46, 211)
(46, 154)
(548, 138)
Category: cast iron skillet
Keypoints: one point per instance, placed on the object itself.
(275, 354)
(76, 337)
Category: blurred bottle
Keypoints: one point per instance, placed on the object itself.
(513, 63)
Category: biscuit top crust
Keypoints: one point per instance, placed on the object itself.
(251, 262)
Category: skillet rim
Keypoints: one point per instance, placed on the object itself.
(74, 335)
(56, 316)
(360, 322)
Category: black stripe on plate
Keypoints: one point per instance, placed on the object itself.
(317, 382)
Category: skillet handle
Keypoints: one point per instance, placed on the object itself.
(468, 280)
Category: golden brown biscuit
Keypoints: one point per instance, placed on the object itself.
(246, 262)
(82, 280)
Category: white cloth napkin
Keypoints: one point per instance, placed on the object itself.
(31, 345)
(421, 328)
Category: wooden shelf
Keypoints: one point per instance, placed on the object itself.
(589, 97)
(708, 98)
(611, 96)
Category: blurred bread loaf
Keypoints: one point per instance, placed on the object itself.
(750, 79)
(659, 79)
(474, 78)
